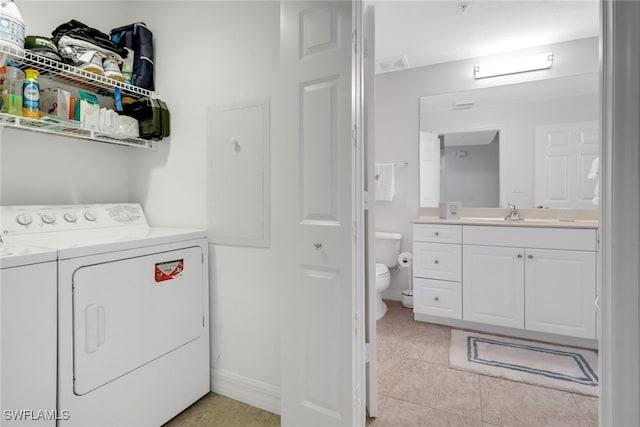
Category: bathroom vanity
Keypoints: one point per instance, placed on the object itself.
(534, 275)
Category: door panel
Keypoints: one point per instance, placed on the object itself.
(319, 151)
(564, 154)
(126, 314)
(429, 169)
(369, 105)
(318, 346)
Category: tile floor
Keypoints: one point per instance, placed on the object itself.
(214, 410)
(417, 388)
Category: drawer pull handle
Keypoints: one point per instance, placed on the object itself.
(317, 246)
(519, 255)
(437, 262)
(437, 233)
(436, 299)
(530, 256)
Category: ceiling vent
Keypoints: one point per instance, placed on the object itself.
(393, 64)
(463, 105)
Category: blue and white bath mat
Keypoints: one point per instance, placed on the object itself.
(552, 366)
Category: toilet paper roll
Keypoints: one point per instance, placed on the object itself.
(405, 259)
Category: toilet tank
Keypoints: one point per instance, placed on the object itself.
(387, 247)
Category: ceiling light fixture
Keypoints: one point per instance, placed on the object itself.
(520, 64)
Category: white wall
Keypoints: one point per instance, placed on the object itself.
(40, 169)
(211, 54)
(398, 118)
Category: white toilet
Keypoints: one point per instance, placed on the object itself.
(387, 251)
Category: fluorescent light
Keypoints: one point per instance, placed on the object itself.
(520, 64)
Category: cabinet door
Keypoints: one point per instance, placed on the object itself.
(560, 292)
(493, 285)
(437, 261)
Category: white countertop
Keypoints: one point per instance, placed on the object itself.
(500, 222)
(542, 218)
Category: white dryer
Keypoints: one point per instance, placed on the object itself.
(133, 311)
(27, 335)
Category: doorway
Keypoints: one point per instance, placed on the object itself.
(396, 135)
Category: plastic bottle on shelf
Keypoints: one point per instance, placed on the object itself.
(3, 71)
(11, 25)
(12, 89)
(31, 95)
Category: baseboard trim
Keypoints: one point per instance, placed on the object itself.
(510, 332)
(248, 390)
(392, 295)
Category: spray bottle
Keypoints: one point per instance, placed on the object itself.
(31, 95)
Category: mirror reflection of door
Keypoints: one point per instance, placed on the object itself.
(469, 168)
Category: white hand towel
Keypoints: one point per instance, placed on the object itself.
(385, 177)
(593, 174)
(595, 169)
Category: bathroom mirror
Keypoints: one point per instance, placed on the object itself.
(531, 144)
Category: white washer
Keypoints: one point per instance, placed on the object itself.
(133, 311)
(28, 335)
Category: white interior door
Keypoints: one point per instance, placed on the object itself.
(321, 333)
(564, 153)
(369, 78)
(429, 169)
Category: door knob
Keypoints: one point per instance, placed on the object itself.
(317, 246)
(530, 256)
(519, 255)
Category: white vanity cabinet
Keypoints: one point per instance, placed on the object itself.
(539, 279)
(437, 270)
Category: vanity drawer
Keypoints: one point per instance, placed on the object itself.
(531, 237)
(441, 261)
(437, 298)
(437, 233)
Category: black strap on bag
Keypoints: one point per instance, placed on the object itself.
(139, 39)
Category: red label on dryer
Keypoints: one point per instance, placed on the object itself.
(168, 270)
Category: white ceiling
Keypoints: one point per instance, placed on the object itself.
(429, 32)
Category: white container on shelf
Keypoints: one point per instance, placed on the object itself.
(11, 24)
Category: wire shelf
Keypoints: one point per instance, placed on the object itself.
(69, 129)
(63, 72)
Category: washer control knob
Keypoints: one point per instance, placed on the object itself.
(49, 218)
(90, 216)
(70, 217)
(24, 219)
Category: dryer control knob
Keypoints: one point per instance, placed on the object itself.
(24, 219)
(70, 217)
(48, 218)
(90, 216)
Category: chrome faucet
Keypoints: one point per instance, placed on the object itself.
(514, 215)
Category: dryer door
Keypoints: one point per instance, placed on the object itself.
(127, 313)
